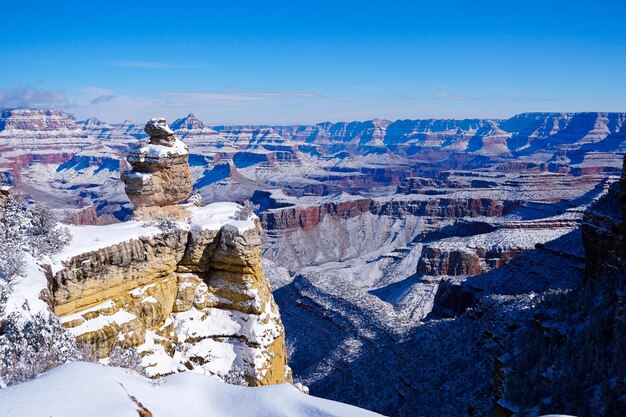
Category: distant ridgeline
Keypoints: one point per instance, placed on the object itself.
(572, 134)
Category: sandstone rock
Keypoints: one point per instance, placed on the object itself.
(483, 250)
(200, 288)
(92, 277)
(157, 128)
(160, 173)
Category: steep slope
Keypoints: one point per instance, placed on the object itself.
(574, 354)
(361, 313)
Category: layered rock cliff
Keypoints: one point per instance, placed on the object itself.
(483, 250)
(282, 213)
(192, 297)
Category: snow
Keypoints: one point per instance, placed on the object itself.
(225, 338)
(158, 151)
(119, 317)
(77, 316)
(214, 322)
(143, 176)
(155, 359)
(138, 292)
(91, 238)
(215, 216)
(25, 295)
(506, 238)
(239, 226)
(84, 389)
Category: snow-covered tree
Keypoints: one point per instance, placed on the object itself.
(14, 222)
(35, 230)
(45, 236)
(29, 347)
(166, 225)
(4, 297)
(127, 358)
(236, 376)
(246, 210)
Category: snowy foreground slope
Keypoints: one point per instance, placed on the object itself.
(84, 389)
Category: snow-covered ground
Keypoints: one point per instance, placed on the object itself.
(84, 389)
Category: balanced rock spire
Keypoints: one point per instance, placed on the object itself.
(160, 177)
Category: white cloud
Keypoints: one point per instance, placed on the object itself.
(232, 99)
(444, 95)
(157, 65)
(29, 96)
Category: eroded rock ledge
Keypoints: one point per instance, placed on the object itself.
(192, 298)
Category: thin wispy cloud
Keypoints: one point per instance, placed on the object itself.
(231, 98)
(444, 95)
(158, 65)
(139, 64)
(28, 96)
(530, 99)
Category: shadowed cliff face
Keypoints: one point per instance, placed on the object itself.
(574, 355)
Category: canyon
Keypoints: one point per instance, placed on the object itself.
(406, 257)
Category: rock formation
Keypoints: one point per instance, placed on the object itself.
(481, 250)
(188, 295)
(191, 298)
(579, 337)
(160, 176)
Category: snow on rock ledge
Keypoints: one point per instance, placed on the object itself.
(194, 298)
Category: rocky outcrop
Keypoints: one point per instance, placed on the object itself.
(88, 216)
(604, 230)
(5, 191)
(160, 173)
(436, 261)
(194, 297)
(480, 252)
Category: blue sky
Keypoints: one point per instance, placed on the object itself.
(306, 62)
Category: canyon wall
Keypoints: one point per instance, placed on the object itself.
(579, 337)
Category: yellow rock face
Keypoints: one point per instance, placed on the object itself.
(91, 278)
(186, 300)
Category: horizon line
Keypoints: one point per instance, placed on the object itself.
(496, 119)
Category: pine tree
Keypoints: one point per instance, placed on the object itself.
(13, 226)
(127, 358)
(45, 237)
(31, 347)
(245, 211)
